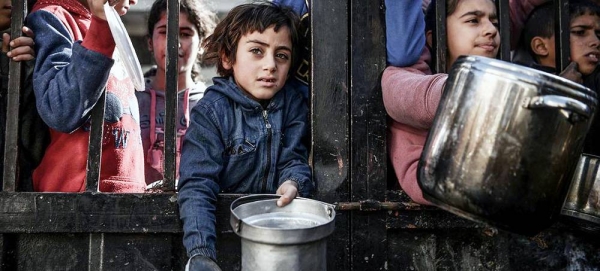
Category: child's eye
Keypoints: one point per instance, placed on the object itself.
(282, 56)
(496, 24)
(578, 32)
(256, 51)
(473, 21)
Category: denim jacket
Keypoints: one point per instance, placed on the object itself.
(233, 145)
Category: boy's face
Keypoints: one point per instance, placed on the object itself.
(472, 30)
(585, 45)
(5, 10)
(262, 62)
(189, 44)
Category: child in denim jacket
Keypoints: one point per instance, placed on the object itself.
(245, 133)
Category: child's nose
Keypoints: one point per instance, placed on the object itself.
(270, 64)
(490, 29)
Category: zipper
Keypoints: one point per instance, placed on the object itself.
(268, 166)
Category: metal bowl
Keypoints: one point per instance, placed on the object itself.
(582, 204)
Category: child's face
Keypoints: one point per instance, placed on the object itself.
(585, 45)
(189, 44)
(262, 62)
(5, 10)
(472, 30)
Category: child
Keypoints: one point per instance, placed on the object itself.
(74, 46)
(196, 22)
(411, 94)
(537, 49)
(245, 133)
(33, 135)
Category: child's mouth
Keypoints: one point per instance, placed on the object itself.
(593, 57)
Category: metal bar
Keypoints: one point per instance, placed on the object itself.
(368, 147)
(373, 206)
(92, 177)
(171, 90)
(503, 9)
(562, 36)
(439, 42)
(9, 176)
(96, 252)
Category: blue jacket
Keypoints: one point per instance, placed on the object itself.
(233, 145)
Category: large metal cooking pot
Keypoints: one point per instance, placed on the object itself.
(504, 143)
(292, 237)
(582, 205)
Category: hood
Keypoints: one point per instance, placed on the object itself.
(226, 86)
(196, 91)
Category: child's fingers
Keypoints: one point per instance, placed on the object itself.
(22, 53)
(21, 42)
(288, 192)
(28, 32)
(5, 41)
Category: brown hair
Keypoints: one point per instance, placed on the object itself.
(198, 14)
(245, 19)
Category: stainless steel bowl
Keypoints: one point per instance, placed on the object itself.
(582, 204)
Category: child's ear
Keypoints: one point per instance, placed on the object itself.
(539, 46)
(429, 38)
(150, 46)
(225, 61)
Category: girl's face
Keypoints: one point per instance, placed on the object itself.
(472, 30)
(584, 42)
(262, 62)
(5, 9)
(189, 44)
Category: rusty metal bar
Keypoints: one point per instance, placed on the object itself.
(171, 90)
(11, 148)
(562, 34)
(373, 205)
(439, 42)
(503, 8)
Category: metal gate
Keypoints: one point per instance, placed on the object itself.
(377, 226)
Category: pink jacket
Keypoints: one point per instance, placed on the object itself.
(411, 96)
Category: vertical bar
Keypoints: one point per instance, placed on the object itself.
(562, 36)
(96, 252)
(439, 42)
(503, 9)
(92, 177)
(171, 92)
(12, 102)
(330, 117)
(368, 155)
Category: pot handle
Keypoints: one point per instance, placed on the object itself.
(559, 102)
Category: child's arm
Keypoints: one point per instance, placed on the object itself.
(293, 159)
(405, 31)
(201, 162)
(22, 46)
(411, 95)
(69, 76)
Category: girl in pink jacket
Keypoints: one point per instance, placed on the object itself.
(411, 94)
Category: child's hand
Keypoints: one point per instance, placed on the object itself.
(97, 7)
(22, 46)
(572, 73)
(288, 191)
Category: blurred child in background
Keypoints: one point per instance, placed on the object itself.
(196, 22)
